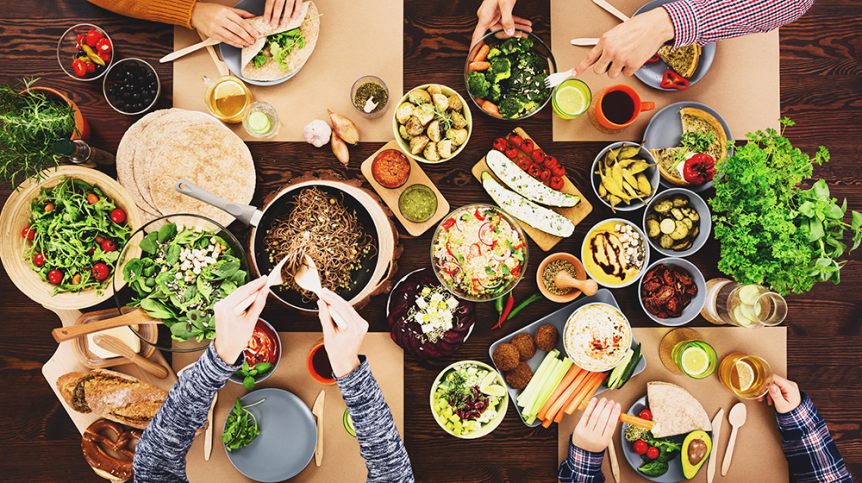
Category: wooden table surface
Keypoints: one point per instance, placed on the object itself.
(821, 89)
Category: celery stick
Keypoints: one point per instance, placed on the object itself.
(563, 368)
(525, 394)
(545, 378)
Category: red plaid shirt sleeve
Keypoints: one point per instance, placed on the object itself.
(703, 22)
(581, 466)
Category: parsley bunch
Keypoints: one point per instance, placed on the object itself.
(771, 231)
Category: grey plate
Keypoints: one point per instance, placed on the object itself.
(674, 472)
(665, 130)
(652, 72)
(558, 319)
(288, 436)
(705, 222)
(697, 303)
(232, 56)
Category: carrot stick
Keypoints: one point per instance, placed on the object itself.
(490, 107)
(636, 421)
(477, 49)
(566, 395)
(576, 397)
(478, 66)
(559, 416)
(589, 395)
(483, 52)
(561, 387)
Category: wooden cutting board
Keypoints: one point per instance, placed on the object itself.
(576, 213)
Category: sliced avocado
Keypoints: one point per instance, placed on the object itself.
(695, 450)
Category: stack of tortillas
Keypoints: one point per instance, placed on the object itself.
(170, 144)
(675, 410)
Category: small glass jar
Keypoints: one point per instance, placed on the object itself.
(254, 124)
(379, 109)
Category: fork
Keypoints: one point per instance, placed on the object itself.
(554, 80)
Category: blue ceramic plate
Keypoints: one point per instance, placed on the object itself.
(288, 436)
(652, 72)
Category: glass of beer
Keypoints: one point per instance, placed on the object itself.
(227, 97)
(695, 358)
(746, 376)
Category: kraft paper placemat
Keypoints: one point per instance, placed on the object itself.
(356, 39)
(741, 85)
(757, 456)
(341, 459)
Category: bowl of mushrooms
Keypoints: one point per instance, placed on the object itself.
(432, 123)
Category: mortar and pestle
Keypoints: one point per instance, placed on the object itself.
(563, 280)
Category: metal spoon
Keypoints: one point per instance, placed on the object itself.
(737, 419)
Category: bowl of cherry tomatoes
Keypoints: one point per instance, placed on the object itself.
(85, 52)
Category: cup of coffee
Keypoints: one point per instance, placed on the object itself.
(319, 366)
(616, 108)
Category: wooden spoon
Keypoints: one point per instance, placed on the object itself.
(611, 10)
(585, 42)
(308, 278)
(737, 419)
(135, 317)
(564, 280)
(274, 278)
(188, 50)
(115, 345)
(612, 453)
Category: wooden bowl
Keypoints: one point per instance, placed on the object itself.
(16, 216)
(81, 345)
(579, 270)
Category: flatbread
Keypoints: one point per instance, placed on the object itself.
(675, 410)
(210, 156)
(271, 70)
(125, 159)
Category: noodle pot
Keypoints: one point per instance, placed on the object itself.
(376, 267)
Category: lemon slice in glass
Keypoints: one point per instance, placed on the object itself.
(695, 361)
(745, 374)
(570, 100)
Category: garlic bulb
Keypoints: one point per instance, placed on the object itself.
(317, 133)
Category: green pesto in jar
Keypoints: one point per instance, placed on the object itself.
(367, 91)
(417, 203)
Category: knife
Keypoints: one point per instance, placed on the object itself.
(208, 435)
(317, 410)
(716, 432)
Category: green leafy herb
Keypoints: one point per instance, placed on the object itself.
(30, 124)
(693, 142)
(283, 44)
(772, 231)
(248, 374)
(654, 468)
(259, 60)
(241, 426)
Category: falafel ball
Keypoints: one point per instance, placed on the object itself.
(526, 346)
(506, 357)
(520, 376)
(547, 338)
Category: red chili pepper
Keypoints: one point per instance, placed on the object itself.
(699, 169)
(449, 249)
(516, 140)
(508, 308)
(556, 183)
(511, 152)
(500, 144)
(673, 80)
(479, 215)
(493, 245)
(528, 146)
(654, 58)
(518, 246)
(448, 224)
(534, 170)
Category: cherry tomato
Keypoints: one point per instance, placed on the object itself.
(550, 162)
(49, 207)
(55, 277)
(534, 170)
(652, 453)
(516, 140)
(556, 183)
(92, 199)
(79, 67)
(511, 152)
(39, 259)
(545, 174)
(538, 156)
(104, 46)
(118, 216)
(559, 170)
(528, 146)
(99, 239)
(91, 68)
(28, 233)
(109, 246)
(76, 279)
(93, 38)
(100, 271)
(106, 56)
(645, 414)
(640, 446)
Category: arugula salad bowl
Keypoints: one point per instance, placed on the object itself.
(175, 268)
(17, 216)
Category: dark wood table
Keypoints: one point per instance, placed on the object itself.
(821, 89)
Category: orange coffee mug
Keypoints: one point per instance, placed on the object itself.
(319, 366)
(616, 108)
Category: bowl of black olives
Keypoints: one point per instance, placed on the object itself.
(131, 86)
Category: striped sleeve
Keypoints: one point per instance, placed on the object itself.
(581, 466)
(379, 441)
(703, 22)
(161, 453)
(176, 12)
(811, 453)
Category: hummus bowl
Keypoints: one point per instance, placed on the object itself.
(597, 337)
(615, 253)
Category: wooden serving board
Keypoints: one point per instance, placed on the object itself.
(576, 213)
(390, 196)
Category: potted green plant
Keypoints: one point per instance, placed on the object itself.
(31, 120)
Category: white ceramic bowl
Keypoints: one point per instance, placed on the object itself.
(651, 173)
(405, 145)
(502, 406)
(581, 309)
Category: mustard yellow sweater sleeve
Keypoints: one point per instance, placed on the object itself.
(177, 12)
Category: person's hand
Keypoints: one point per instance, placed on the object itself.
(234, 331)
(342, 344)
(496, 15)
(626, 47)
(596, 427)
(224, 23)
(783, 394)
(281, 12)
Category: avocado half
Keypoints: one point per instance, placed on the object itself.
(695, 450)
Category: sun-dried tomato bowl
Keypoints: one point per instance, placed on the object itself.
(690, 311)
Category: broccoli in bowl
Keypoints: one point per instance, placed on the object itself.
(507, 79)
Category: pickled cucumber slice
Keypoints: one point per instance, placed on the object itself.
(667, 226)
(653, 228)
(748, 294)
